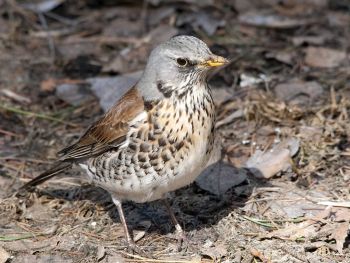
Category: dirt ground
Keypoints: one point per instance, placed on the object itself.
(283, 107)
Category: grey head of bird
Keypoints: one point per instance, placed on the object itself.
(179, 64)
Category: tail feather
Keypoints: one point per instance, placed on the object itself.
(56, 169)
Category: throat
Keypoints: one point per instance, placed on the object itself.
(195, 100)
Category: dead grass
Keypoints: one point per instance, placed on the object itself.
(282, 219)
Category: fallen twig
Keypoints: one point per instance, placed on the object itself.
(37, 115)
(256, 253)
(270, 223)
(335, 203)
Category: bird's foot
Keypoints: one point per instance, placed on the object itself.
(135, 249)
(182, 239)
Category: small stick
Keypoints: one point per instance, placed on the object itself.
(37, 115)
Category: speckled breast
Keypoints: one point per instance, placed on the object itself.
(165, 150)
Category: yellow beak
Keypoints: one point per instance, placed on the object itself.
(215, 61)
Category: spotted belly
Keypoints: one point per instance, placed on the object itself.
(165, 151)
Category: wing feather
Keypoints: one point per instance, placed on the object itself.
(108, 132)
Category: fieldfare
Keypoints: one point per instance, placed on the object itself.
(158, 137)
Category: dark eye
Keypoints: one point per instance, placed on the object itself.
(182, 62)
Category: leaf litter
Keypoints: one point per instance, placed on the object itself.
(277, 187)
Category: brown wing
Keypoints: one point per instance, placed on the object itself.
(109, 131)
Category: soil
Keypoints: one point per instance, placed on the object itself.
(289, 78)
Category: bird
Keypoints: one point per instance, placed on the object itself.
(158, 137)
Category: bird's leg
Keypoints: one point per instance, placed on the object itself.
(130, 241)
(181, 236)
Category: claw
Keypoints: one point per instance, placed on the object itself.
(182, 239)
(135, 249)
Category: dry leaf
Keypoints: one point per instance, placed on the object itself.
(203, 20)
(338, 19)
(265, 19)
(38, 212)
(115, 259)
(258, 254)
(340, 234)
(43, 6)
(267, 164)
(216, 252)
(220, 95)
(111, 89)
(314, 40)
(74, 94)
(116, 65)
(101, 252)
(341, 214)
(306, 229)
(28, 258)
(139, 234)
(293, 89)
(321, 57)
(161, 34)
(4, 255)
(48, 85)
(286, 57)
(310, 133)
(219, 177)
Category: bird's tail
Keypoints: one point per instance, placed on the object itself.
(56, 169)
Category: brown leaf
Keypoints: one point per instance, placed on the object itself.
(219, 177)
(221, 95)
(48, 85)
(101, 252)
(314, 40)
(215, 252)
(341, 214)
(208, 23)
(111, 89)
(4, 255)
(267, 164)
(115, 258)
(38, 212)
(41, 258)
(74, 94)
(258, 254)
(310, 133)
(306, 229)
(260, 18)
(340, 234)
(286, 57)
(321, 57)
(296, 90)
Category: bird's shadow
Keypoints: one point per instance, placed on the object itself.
(195, 208)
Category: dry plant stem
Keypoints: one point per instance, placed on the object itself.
(272, 223)
(9, 133)
(108, 40)
(50, 41)
(142, 259)
(37, 115)
(335, 203)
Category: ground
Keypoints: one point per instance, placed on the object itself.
(283, 106)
